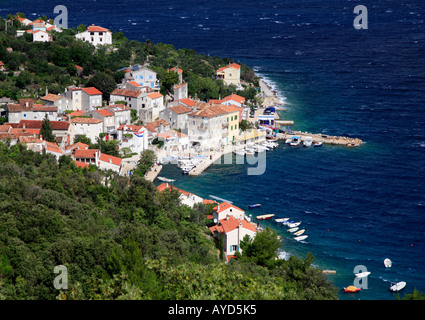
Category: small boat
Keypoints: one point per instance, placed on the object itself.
(295, 141)
(165, 179)
(300, 238)
(285, 223)
(351, 289)
(281, 220)
(398, 286)
(265, 216)
(295, 224)
(307, 142)
(362, 274)
(300, 232)
(317, 144)
(387, 263)
(293, 229)
(254, 205)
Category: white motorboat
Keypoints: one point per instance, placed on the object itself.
(295, 141)
(387, 263)
(249, 151)
(165, 179)
(293, 225)
(362, 274)
(293, 229)
(398, 286)
(307, 142)
(281, 219)
(299, 232)
(300, 238)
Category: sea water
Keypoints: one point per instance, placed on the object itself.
(358, 205)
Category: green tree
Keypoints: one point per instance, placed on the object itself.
(103, 82)
(46, 130)
(147, 160)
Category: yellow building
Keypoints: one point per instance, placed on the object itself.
(230, 74)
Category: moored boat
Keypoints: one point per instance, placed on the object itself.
(299, 232)
(387, 263)
(295, 224)
(265, 216)
(281, 220)
(398, 286)
(317, 144)
(254, 205)
(300, 238)
(362, 274)
(293, 229)
(351, 289)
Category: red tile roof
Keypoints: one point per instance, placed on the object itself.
(86, 120)
(110, 159)
(36, 124)
(94, 28)
(155, 95)
(224, 206)
(89, 153)
(126, 93)
(180, 109)
(105, 112)
(92, 91)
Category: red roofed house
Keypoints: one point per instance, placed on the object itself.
(89, 127)
(233, 231)
(233, 99)
(152, 105)
(96, 36)
(28, 110)
(230, 74)
(85, 99)
(176, 116)
(186, 198)
(226, 209)
(52, 148)
(107, 162)
(107, 117)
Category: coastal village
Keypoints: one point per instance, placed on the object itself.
(178, 128)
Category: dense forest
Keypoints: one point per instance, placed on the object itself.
(121, 239)
(34, 66)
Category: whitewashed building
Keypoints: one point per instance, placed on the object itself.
(96, 36)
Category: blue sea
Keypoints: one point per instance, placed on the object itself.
(358, 205)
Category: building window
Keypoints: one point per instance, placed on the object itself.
(234, 248)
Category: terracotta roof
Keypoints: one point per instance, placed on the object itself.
(92, 91)
(78, 146)
(129, 127)
(81, 164)
(94, 28)
(155, 95)
(86, 120)
(230, 223)
(165, 185)
(83, 153)
(51, 97)
(178, 86)
(5, 128)
(233, 65)
(134, 84)
(188, 102)
(36, 124)
(176, 69)
(127, 93)
(110, 159)
(105, 112)
(29, 139)
(53, 147)
(180, 109)
(224, 206)
(76, 113)
(234, 97)
(209, 111)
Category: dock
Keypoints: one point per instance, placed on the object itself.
(216, 156)
(153, 173)
(327, 139)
